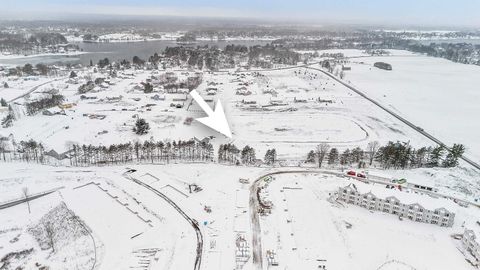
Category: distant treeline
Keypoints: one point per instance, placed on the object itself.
(465, 53)
(459, 52)
(32, 43)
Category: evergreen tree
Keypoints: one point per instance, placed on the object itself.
(42, 68)
(357, 155)
(141, 127)
(310, 157)
(270, 156)
(248, 155)
(345, 157)
(451, 160)
(103, 62)
(28, 69)
(137, 61)
(228, 153)
(435, 156)
(147, 88)
(7, 121)
(333, 156)
(3, 102)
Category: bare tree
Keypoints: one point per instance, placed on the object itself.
(322, 150)
(3, 148)
(25, 195)
(372, 149)
(50, 234)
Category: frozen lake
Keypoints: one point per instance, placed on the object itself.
(118, 51)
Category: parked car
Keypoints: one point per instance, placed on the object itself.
(400, 181)
(361, 175)
(352, 173)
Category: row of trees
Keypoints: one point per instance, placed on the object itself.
(400, 155)
(230, 153)
(149, 151)
(27, 151)
(393, 155)
(30, 70)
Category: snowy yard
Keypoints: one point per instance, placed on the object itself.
(305, 228)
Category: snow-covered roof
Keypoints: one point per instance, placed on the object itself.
(406, 196)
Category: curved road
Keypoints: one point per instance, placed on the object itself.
(193, 222)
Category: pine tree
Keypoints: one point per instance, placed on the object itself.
(345, 157)
(333, 156)
(357, 155)
(435, 156)
(141, 127)
(248, 155)
(310, 157)
(147, 88)
(270, 156)
(451, 160)
(3, 102)
(7, 121)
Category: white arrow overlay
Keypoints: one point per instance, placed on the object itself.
(216, 120)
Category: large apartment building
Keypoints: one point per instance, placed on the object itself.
(392, 205)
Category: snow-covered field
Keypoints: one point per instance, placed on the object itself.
(129, 226)
(117, 223)
(436, 94)
(18, 87)
(305, 228)
(292, 110)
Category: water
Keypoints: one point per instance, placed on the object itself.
(127, 50)
(117, 51)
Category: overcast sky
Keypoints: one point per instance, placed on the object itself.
(411, 12)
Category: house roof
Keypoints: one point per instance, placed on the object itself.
(406, 197)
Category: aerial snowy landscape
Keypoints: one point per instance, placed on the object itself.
(141, 135)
